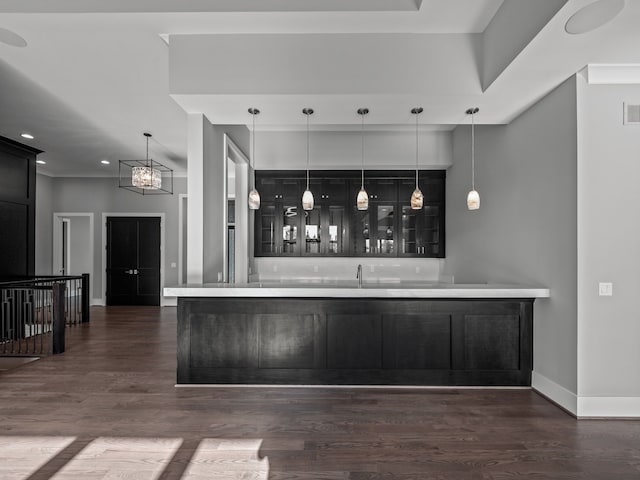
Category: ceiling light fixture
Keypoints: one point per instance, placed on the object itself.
(145, 176)
(593, 16)
(41, 162)
(307, 196)
(28, 136)
(417, 199)
(105, 162)
(473, 198)
(254, 196)
(362, 200)
(12, 38)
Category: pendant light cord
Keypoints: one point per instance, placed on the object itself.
(307, 150)
(417, 113)
(362, 137)
(148, 151)
(253, 147)
(473, 148)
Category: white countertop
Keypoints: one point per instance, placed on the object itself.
(349, 289)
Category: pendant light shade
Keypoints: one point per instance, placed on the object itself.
(473, 197)
(254, 196)
(473, 200)
(417, 199)
(362, 200)
(307, 200)
(307, 196)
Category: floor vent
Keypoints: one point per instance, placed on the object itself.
(631, 114)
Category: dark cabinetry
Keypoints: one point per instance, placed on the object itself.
(355, 341)
(335, 227)
(17, 209)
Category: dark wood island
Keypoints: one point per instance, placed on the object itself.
(331, 335)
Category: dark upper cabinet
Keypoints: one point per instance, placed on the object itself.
(421, 232)
(335, 227)
(17, 209)
(374, 231)
(326, 227)
(278, 221)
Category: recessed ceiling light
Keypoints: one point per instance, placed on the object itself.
(11, 38)
(41, 162)
(27, 135)
(105, 162)
(593, 16)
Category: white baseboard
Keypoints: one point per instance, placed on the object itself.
(555, 392)
(169, 301)
(97, 301)
(609, 407)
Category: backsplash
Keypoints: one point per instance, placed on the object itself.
(381, 270)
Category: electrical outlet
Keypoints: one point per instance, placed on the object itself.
(315, 268)
(174, 265)
(605, 289)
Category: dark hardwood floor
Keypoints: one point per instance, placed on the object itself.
(115, 384)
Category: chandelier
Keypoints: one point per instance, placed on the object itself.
(145, 176)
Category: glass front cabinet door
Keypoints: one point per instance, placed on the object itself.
(422, 230)
(278, 224)
(335, 227)
(375, 232)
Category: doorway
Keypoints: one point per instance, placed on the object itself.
(73, 252)
(133, 250)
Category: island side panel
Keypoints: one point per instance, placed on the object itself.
(354, 341)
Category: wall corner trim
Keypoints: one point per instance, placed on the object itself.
(555, 392)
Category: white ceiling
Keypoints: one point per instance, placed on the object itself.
(95, 74)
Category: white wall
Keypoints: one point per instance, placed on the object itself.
(342, 150)
(215, 197)
(526, 228)
(608, 251)
(322, 268)
(100, 195)
(44, 224)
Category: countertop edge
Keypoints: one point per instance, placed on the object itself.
(365, 292)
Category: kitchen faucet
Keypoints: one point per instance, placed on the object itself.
(359, 275)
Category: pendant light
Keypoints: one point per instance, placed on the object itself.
(417, 199)
(146, 177)
(473, 198)
(254, 196)
(307, 196)
(362, 201)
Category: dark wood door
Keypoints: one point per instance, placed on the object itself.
(133, 261)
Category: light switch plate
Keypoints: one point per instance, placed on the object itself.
(605, 289)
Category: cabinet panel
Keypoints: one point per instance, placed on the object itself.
(223, 341)
(314, 234)
(492, 342)
(385, 234)
(266, 228)
(417, 341)
(291, 341)
(338, 230)
(354, 341)
(290, 221)
(14, 234)
(362, 240)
